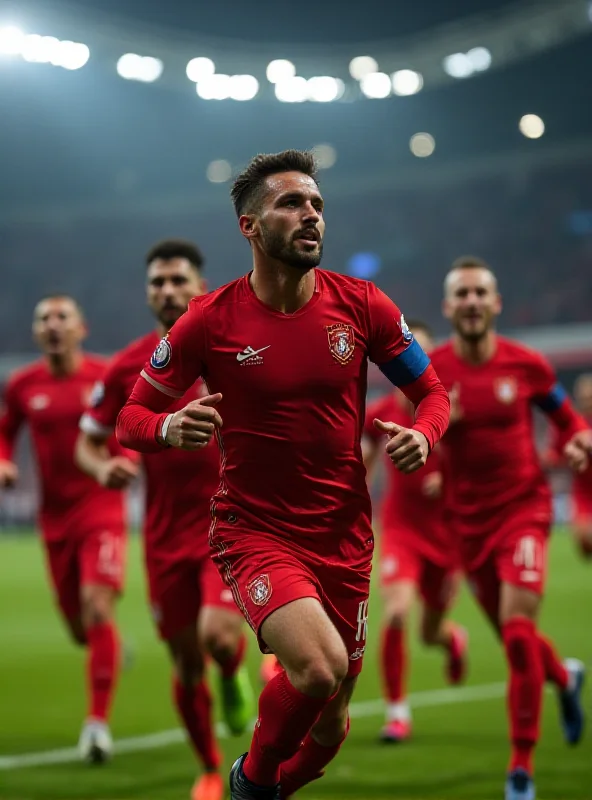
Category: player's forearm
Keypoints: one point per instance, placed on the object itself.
(567, 420)
(90, 455)
(138, 428)
(432, 406)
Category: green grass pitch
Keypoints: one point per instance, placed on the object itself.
(459, 750)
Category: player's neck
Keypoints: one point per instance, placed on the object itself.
(65, 364)
(476, 352)
(284, 288)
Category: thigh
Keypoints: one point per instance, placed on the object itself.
(62, 563)
(175, 597)
(101, 558)
(484, 582)
(438, 585)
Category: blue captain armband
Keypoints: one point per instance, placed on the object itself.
(551, 401)
(407, 367)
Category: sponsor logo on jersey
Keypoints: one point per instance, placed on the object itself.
(260, 590)
(38, 402)
(342, 342)
(407, 335)
(162, 355)
(251, 356)
(357, 654)
(506, 390)
(97, 395)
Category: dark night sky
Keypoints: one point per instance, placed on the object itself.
(282, 21)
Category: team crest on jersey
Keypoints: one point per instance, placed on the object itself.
(342, 342)
(162, 355)
(506, 390)
(96, 395)
(260, 590)
(407, 335)
(38, 402)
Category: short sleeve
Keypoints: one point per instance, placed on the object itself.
(391, 344)
(179, 358)
(106, 401)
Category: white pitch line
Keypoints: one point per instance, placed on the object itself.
(153, 741)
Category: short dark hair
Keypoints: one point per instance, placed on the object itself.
(470, 262)
(176, 248)
(419, 325)
(62, 296)
(247, 187)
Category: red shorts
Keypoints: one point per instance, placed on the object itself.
(266, 573)
(519, 558)
(97, 557)
(400, 561)
(179, 592)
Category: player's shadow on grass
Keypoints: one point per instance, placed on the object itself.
(473, 785)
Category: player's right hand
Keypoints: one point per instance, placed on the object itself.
(8, 474)
(192, 427)
(117, 473)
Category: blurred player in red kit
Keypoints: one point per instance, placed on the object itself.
(581, 490)
(417, 553)
(284, 353)
(194, 610)
(82, 524)
(498, 501)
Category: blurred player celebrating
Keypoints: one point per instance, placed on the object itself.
(82, 524)
(416, 553)
(499, 502)
(195, 612)
(284, 352)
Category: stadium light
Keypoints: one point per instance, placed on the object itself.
(216, 87)
(243, 87)
(458, 65)
(376, 85)
(480, 58)
(292, 90)
(360, 66)
(532, 126)
(422, 145)
(11, 40)
(199, 68)
(280, 70)
(407, 82)
(133, 67)
(324, 89)
(219, 171)
(325, 155)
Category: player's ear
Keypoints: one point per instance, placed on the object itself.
(498, 305)
(446, 310)
(247, 226)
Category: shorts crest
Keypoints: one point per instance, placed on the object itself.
(260, 590)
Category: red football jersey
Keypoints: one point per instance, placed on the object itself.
(179, 484)
(406, 512)
(490, 457)
(71, 502)
(294, 389)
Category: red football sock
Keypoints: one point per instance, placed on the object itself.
(231, 665)
(394, 663)
(525, 688)
(308, 764)
(285, 717)
(555, 672)
(194, 704)
(102, 668)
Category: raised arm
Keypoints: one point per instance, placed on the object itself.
(11, 421)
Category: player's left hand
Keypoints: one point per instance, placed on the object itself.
(407, 448)
(578, 451)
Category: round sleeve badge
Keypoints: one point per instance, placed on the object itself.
(97, 394)
(407, 335)
(162, 355)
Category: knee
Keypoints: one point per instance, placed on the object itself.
(322, 675)
(97, 608)
(219, 641)
(189, 670)
(428, 635)
(77, 632)
(396, 617)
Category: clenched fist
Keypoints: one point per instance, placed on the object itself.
(407, 448)
(192, 427)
